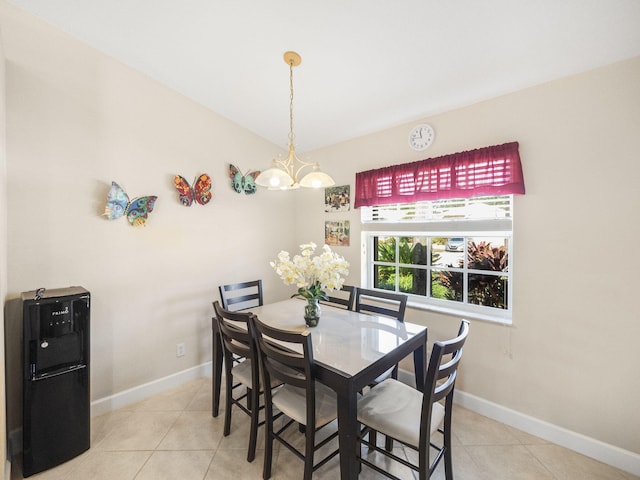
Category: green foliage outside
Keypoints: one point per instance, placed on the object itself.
(487, 290)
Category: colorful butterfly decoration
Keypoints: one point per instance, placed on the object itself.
(136, 210)
(200, 191)
(243, 183)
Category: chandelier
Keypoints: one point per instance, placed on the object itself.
(284, 173)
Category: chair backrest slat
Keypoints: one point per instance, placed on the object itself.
(235, 340)
(388, 304)
(241, 295)
(346, 302)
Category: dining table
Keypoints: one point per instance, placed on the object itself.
(350, 351)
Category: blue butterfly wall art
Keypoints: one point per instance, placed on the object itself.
(243, 183)
(200, 191)
(118, 205)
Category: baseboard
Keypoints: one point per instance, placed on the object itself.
(603, 452)
(140, 392)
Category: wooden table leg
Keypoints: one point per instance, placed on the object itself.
(348, 433)
(420, 366)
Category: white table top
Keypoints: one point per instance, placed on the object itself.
(345, 341)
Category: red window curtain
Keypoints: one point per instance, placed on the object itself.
(485, 171)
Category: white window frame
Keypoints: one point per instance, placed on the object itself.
(376, 223)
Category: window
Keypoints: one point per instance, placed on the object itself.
(447, 255)
(440, 229)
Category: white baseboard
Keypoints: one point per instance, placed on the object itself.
(603, 452)
(135, 394)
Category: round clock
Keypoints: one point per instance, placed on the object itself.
(421, 136)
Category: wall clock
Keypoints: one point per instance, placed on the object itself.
(421, 137)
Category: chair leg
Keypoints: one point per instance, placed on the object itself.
(268, 442)
(388, 444)
(228, 404)
(448, 461)
(309, 448)
(373, 438)
(253, 434)
(249, 399)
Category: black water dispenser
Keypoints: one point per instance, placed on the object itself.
(56, 403)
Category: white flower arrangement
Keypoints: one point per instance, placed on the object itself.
(312, 275)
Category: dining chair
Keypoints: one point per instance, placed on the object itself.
(393, 408)
(387, 304)
(301, 399)
(240, 296)
(344, 300)
(241, 370)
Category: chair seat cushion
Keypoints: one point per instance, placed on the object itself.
(394, 408)
(292, 402)
(242, 373)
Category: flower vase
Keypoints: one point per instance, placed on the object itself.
(312, 312)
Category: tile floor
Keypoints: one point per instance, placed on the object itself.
(173, 436)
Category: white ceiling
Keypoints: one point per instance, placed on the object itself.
(366, 65)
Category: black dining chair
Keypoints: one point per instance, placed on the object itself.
(343, 298)
(387, 304)
(241, 370)
(411, 417)
(240, 296)
(301, 399)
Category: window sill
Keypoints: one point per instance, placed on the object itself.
(503, 320)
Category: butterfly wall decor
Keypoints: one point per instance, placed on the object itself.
(118, 205)
(200, 191)
(243, 183)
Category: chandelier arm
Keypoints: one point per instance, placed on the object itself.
(303, 165)
(285, 165)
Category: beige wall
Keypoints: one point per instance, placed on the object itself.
(77, 120)
(571, 356)
(3, 252)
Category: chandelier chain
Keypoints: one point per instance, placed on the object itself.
(291, 102)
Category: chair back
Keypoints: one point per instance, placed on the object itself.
(388, 304)
(236, 341)
(280, 359)
(239, 296)
(345, 301)
(441, 376)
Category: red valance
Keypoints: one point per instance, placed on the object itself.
(492, 170)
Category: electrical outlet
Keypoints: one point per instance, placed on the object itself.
(180, 350)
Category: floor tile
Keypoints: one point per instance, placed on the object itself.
(193, 431)
(473, 429)
(109, 465)
(566, 464)
(142, 431)
(508, 462)
(173, 435)
(173, 465)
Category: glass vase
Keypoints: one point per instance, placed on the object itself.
(312, 312)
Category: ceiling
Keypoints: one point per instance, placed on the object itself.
(366, 65)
